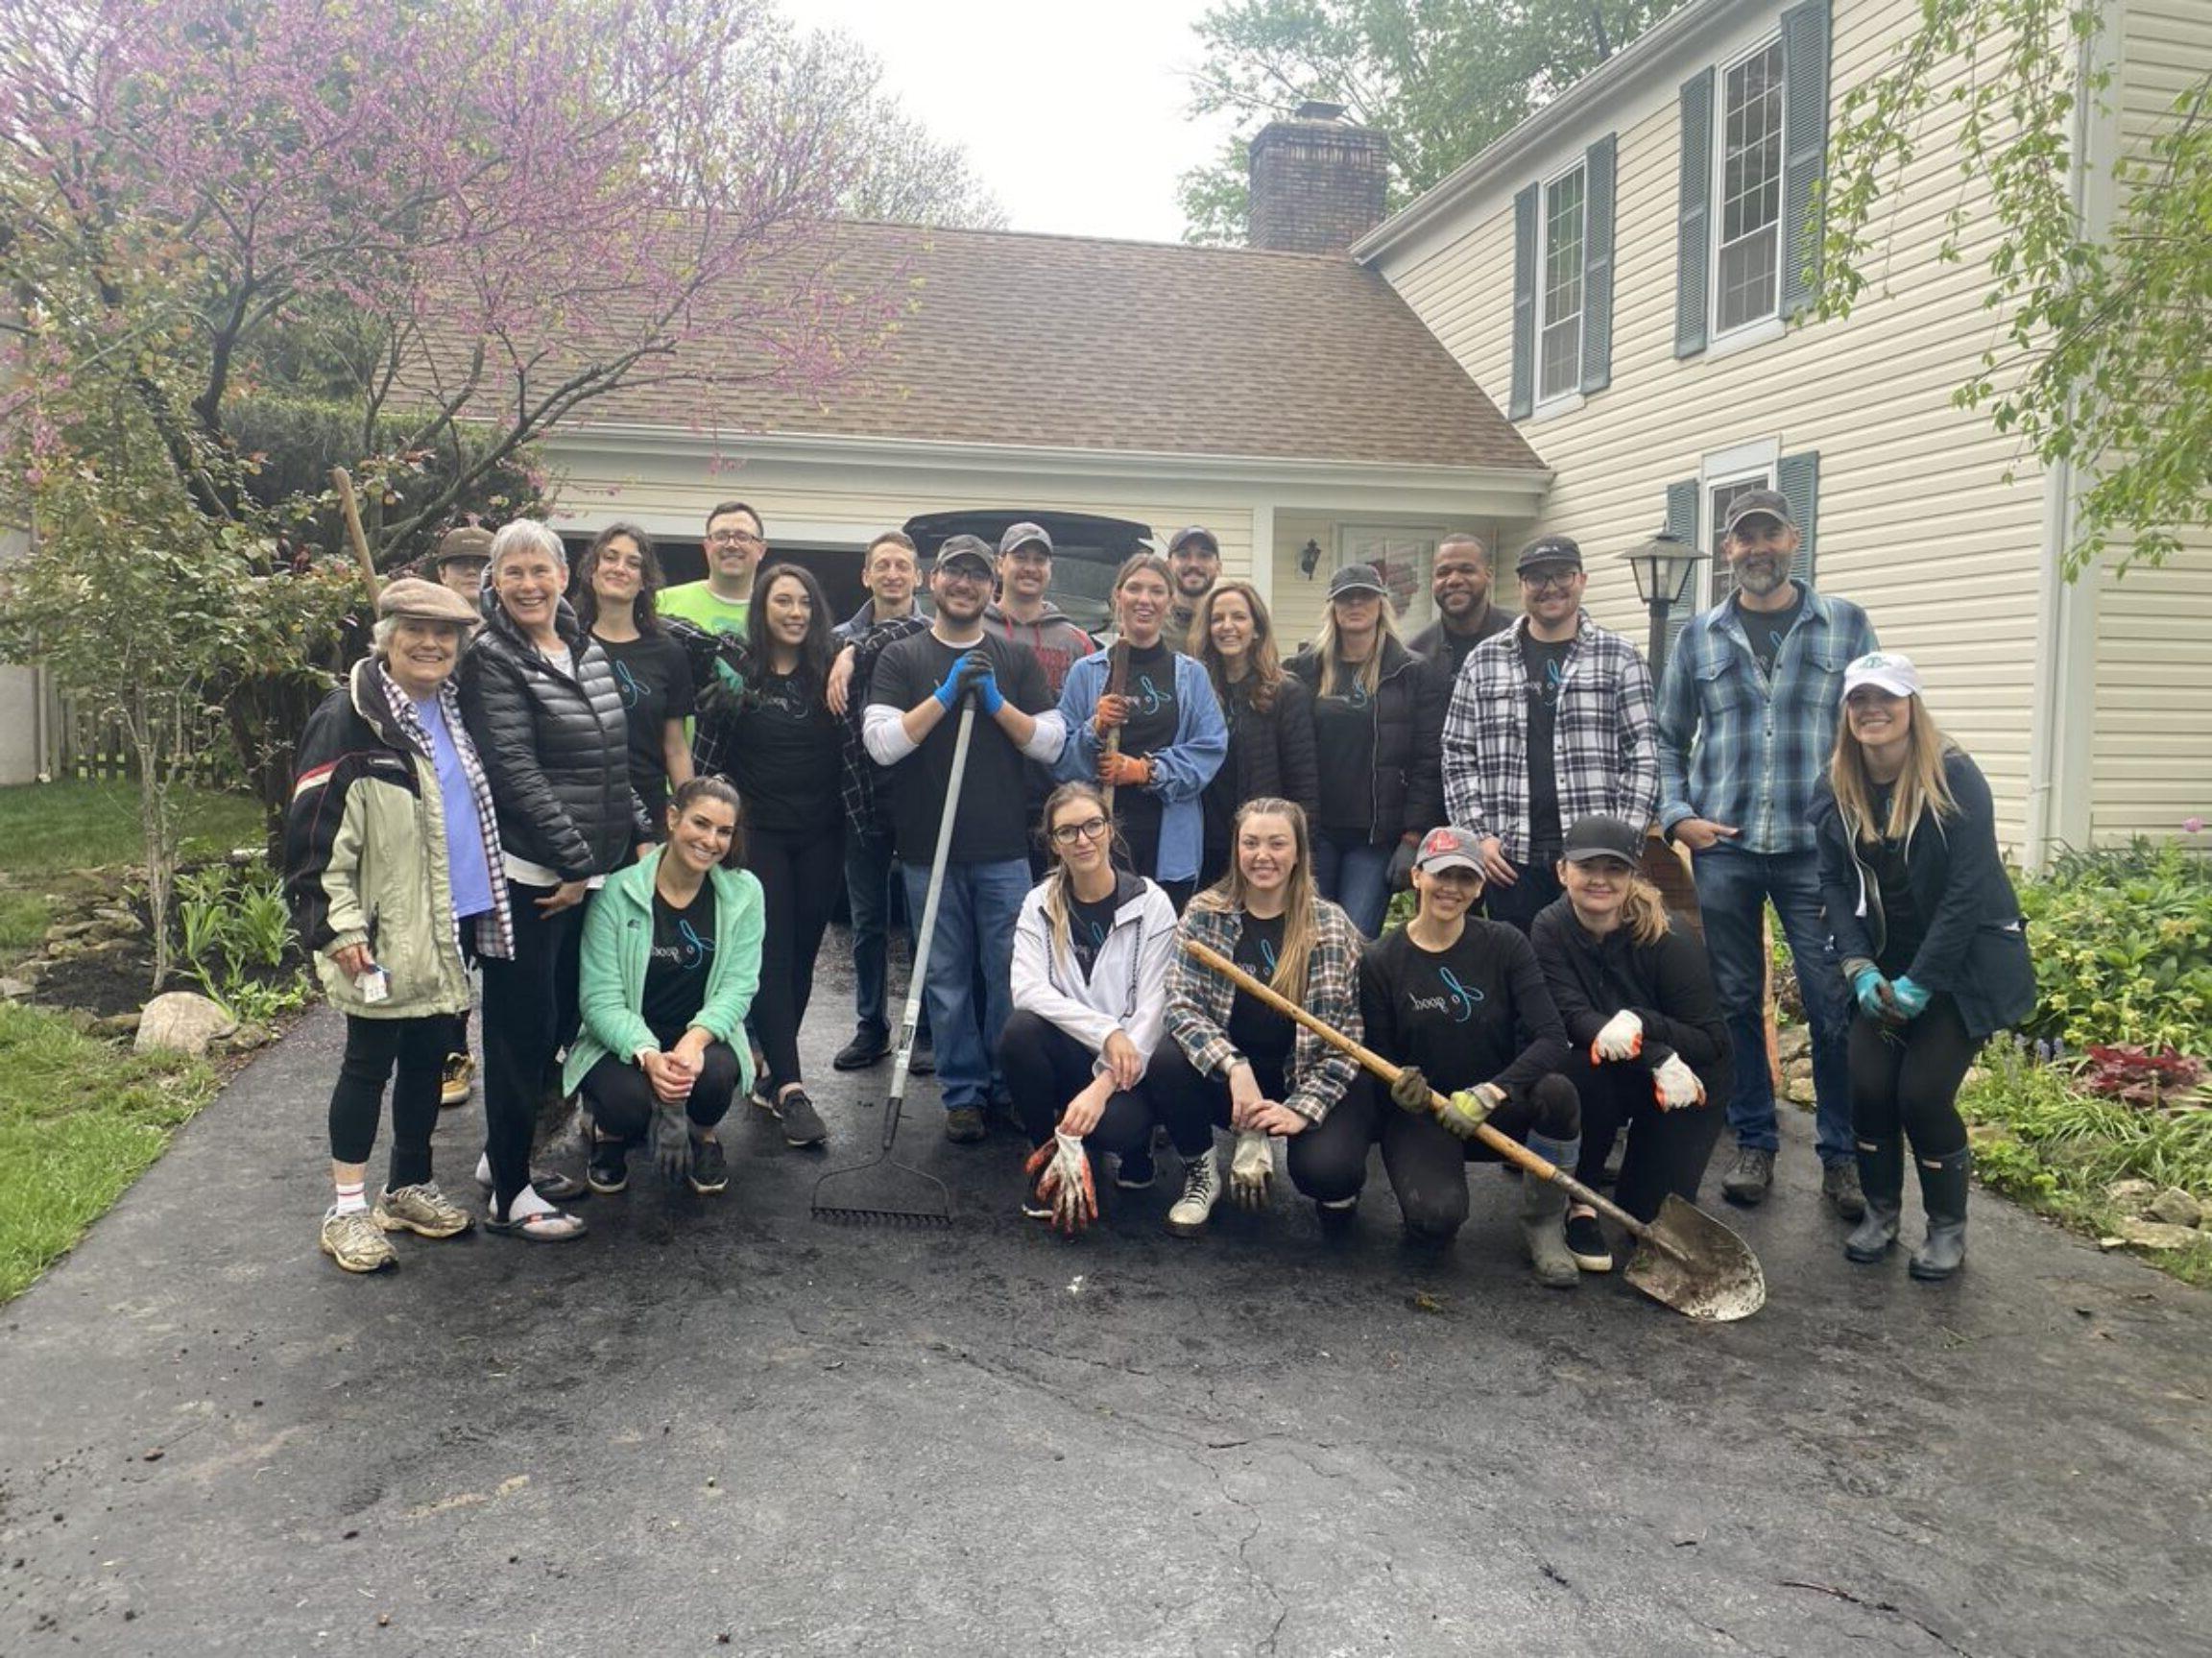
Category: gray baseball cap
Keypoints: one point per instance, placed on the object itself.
(1445, 846)
(964, 550)
(1024, 535)
(1356, 579)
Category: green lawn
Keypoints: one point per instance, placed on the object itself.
(47, 828)
(80, 1120)
(24, 917)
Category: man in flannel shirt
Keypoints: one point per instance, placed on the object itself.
(1549, 721)
(1747, 720)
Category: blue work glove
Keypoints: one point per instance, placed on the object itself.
(1873, 993)
(972, 672)
(1911, 998)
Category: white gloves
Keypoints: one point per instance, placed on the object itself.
(1064, 1183)
(1674, 1084)
(1251, 1168)
(1621, 1037)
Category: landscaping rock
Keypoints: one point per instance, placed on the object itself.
(182, 1021)
(2175, 1207)
(16, 989)
(1800, 1091)
(2157, 1235)
(64, 950)
(1792, 1042)
(1798, 1070)
(61, 930)
(122, 919)
(120, 1025)
(2131, 1196)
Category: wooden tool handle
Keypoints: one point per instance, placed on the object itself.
(343, 482)
(1512, 1150)
(1117, 683)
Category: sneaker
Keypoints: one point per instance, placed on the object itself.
(866, 1049)
(354, 1243)
(460, 1081)
(607, 1170)
(1839, 1186)
(422, 1210)
(964, 1124)
(710, 1168)
(1136, 1171)
(1748, 1177)
(802, 1124)
(1201, 1191)
(1586, 1243)
(924, 1060)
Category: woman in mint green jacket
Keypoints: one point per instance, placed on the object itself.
(671, 959)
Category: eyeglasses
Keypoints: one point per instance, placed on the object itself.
(967, 573)
(1090, 829)
(1540, 581)
(735, 539)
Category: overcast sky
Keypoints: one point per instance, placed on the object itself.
(1073, 115)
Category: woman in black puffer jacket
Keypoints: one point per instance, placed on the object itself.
(542, 704)
(1270, 717)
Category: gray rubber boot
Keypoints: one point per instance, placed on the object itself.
(1881, 1175)
(1943, 1195)
(1543, 1215)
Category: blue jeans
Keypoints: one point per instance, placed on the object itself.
(1352, 873)
(976, 915)
(1733, 888)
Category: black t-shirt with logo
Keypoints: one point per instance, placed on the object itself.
(993, 825)
(1463, 1015)
(1765, 630)
(1543, 662)
(654, 676)
(683, 954)
(1088, 924)
(1344, 745)
(1260, 1033)
(1153, 714)
(785, 754)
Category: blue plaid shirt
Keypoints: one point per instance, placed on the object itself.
(1738, 747)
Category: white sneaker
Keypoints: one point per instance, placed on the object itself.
(1201, 1191)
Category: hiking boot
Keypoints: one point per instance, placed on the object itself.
(1839, 1185)
(1748, 1176)
(422, 1210)
(1136, 1171)
(1201, 1191)
(1544, 1212)
(802, 1124)
(460, 1081)
(1943, 1198)
(607, 1171)
(354, 1243)
(1882, 1183)
(964, 1124)
(867, 1047)
(1586, 1243)
(709, 1167)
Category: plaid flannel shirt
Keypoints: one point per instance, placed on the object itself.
(1738, 747)
(863, 779)
(1199, 999)
(1604, 744)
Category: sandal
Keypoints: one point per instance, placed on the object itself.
(544, 1226)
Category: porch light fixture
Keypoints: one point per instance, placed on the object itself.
(1309, 559)
(1662, 566)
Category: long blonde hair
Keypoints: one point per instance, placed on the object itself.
(1056, 884)
(1232, 892)
(1266, 666)
(1335, 681)
(1921, 788)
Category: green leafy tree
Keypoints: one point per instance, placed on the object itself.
(1440, 78)
(2100, 360)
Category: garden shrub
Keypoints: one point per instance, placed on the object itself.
(2122, 938)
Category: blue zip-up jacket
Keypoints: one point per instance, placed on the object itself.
(1180, 772)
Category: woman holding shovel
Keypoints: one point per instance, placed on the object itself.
(1236, 1063)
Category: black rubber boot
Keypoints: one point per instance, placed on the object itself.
(1943, 1195)
(1881, 1175)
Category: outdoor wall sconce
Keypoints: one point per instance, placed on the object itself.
(1309, 559)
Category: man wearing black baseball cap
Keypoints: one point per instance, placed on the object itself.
(1194, 556)
(1746, 721)
(1549, 721)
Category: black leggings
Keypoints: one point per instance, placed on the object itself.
(1910, 1078)
(1426, 1163)
(521, 1022)
(1046, 1068)
(800, 878)
(1668, 1150)
(620, 1099)
(418, 1046)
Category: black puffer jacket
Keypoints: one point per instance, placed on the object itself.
(1408, 715)
(1269, 754)
(555, 749)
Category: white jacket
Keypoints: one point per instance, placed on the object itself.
(1127, 990)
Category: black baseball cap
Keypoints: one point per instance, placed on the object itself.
(1598, 836)
(1759, 503)
(965, 549)
(1190, 533)
(1356, 579)
(1548, 550)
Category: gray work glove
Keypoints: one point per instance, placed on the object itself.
(671, 1142)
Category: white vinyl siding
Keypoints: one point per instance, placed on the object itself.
(1747, 227)
(1560, 292)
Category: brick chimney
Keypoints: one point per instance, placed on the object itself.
(1318, 181)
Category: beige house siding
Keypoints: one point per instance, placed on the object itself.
(2151, 760)
(1916, 520)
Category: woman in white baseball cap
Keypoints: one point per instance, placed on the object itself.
(1930, 935)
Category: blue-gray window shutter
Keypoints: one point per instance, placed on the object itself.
(1524, 305)
(1799, 478)
(1693, 216)
(1598, 265)
(1804, 148)
(1682, 524)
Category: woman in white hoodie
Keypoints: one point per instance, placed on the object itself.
(1089, 983)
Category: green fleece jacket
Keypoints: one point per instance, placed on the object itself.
(618, 942)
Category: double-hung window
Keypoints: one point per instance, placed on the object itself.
(1559, 293)
(1748, 229)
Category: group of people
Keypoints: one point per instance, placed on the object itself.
(635, 808)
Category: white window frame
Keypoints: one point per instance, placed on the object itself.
(1569, 395)
(1756, 463)
(1769, 326)
(1412, 544)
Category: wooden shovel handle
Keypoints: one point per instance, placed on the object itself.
(1511, 1150)
(1116, 681)
(341, 481)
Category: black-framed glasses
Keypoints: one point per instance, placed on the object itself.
(1090, 829)
(1537, 581)
(735, 538)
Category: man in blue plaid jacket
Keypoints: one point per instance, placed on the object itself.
(1746, 719)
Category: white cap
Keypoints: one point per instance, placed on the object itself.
(1884, 670)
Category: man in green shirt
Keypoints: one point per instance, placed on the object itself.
(733, 547)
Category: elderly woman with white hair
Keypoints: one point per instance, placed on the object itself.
(540, 700)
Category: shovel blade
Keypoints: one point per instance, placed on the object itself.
(1697, 1266)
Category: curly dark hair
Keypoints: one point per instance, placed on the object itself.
(587, 602)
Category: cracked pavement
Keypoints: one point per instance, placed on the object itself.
(720, 1418)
